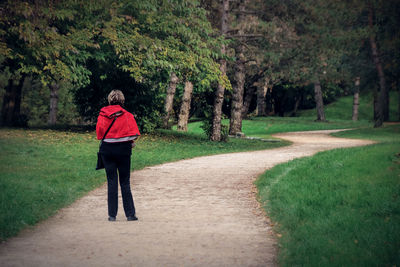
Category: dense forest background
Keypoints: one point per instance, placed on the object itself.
(181, 59)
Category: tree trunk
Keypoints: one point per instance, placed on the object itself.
(185, 107)
(253, 85)
(269, 102)
(356, 99)
(54, 87)
(219, 93)
(237, 97)
(380, 105)
(319, 101)
(296, 106)
(375, 99)
(398, 104)
(238, 89)
(247, 100)
(8, 105)
(169, 99)
(261, 104)
(17, 108)
(386, 105)
(12, 103)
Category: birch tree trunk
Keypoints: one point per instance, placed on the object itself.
(379, 112)
(185, 107)
(169, 99)
(54, 87)
(319, 101)
(238, 90)
(356, 99)
(219, 93)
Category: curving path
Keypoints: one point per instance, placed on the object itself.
(198, 212)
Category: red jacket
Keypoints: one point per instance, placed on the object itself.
(125, 124)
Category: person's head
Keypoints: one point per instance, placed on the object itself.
(116, 97)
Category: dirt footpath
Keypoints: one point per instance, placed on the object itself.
(198, 212)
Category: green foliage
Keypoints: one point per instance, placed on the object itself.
(288, 42)
(338, 208)
(170, 36)
(143, 100)
(324, 30)
(35, 104)
(45, 40)
(141, 43)
(49, 42)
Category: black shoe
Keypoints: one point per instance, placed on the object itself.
(132, 218)
(111, 219)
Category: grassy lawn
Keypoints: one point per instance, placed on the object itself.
(42, 171)
(265, 126)
(342, 108)
(341, 207)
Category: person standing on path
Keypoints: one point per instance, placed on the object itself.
(116, 150)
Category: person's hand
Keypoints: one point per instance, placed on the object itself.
(133, 144)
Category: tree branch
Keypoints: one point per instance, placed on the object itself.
(244, 36)
(246, 12)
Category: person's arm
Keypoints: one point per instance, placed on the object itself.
(135, 138)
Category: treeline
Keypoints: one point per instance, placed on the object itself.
(177, 58)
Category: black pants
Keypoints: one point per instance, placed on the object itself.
(117, 160)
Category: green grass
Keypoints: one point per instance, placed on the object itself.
(343, 107)
(265, 126)
(42, 171)
(340, 207)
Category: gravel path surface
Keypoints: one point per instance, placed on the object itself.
(198, 212)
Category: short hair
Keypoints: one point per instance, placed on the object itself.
(116, 97)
